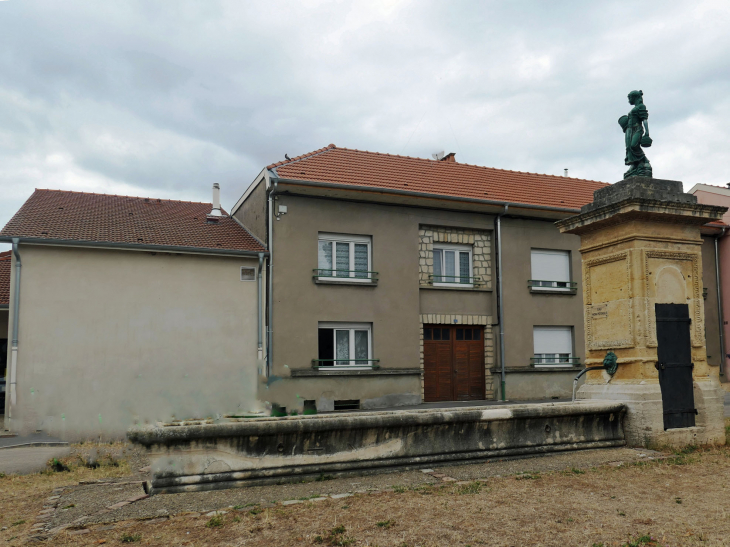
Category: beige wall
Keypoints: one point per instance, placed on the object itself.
(393, 306)
(253, 211)
(110, 338)
(523, 310)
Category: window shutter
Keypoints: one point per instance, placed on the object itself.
(550, 265)
(553, 340)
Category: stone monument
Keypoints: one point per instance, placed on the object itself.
(642, 274)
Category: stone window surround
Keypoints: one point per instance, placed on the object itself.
(480, 240)
(460, 319)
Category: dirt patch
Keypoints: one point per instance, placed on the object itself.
(604, 497)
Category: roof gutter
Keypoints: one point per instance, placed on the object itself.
(371, 189)
(129, 246)
(500, 301)
(14, 342)
(270, 277)
(719, 304)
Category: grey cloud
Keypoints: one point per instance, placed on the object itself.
(162, 98)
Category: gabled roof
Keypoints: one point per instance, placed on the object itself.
(344, 166)
(4, 279)
(55, 215)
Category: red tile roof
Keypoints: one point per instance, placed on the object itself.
(79, 216)
(5, 278)
(359, 168)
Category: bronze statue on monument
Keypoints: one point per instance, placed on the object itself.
(636, 134)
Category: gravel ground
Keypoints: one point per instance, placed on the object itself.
(88, 500)
(555, 462)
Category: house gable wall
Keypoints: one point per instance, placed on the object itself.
(252, 212)
(112, 338)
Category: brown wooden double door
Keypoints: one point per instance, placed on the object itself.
(454, 362)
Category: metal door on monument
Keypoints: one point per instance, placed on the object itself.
(674, 354)
(453, 363)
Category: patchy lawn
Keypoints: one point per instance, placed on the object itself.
(681, 500)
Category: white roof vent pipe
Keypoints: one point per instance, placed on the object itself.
(216, 212)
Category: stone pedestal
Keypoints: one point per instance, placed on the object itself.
(641, 245)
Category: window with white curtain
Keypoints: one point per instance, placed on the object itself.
(344, 257)
(345, 345)
(550, 270)
(553, 346)
(452, 265)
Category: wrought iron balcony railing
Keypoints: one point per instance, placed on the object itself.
(345, 275)
(455, 280)
(537, 285)
(545, 361)
(334, 364)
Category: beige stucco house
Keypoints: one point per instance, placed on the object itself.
(129, 310)
(396, 280)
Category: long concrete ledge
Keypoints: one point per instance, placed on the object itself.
(272, 450)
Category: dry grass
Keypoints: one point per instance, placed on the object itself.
(22, 496)
(683, 500)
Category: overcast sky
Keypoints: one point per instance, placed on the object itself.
(162, 99)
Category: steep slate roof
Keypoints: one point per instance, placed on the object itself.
(372, 169)
(80, 216)
(5, 279)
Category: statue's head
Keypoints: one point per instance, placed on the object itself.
(635, 96)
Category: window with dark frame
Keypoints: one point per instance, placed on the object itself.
(345, 345)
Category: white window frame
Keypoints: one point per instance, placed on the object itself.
(550, 285)
(351, 239)
(565, 362)
(255, 273)
(351, 327)
(458, 249)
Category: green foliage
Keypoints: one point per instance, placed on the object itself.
(130, 538)
(531, 476)
(335, 537)
(57, 465)
(385, 524)
(399, 489)
(18, 523)
(215, 522)
(324, 477)
(643, 540)
(577, 471)
(255, 511)
(471, 488)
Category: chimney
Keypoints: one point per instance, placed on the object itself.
(450, 157)
(565, 172)
(216, 212)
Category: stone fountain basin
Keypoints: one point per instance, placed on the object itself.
(253, 451)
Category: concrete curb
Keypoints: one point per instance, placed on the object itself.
(35, 444)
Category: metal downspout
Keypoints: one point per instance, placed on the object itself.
(260, 347)
(270, 281)
(500, 302)
(16, 316)
(719, 304)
